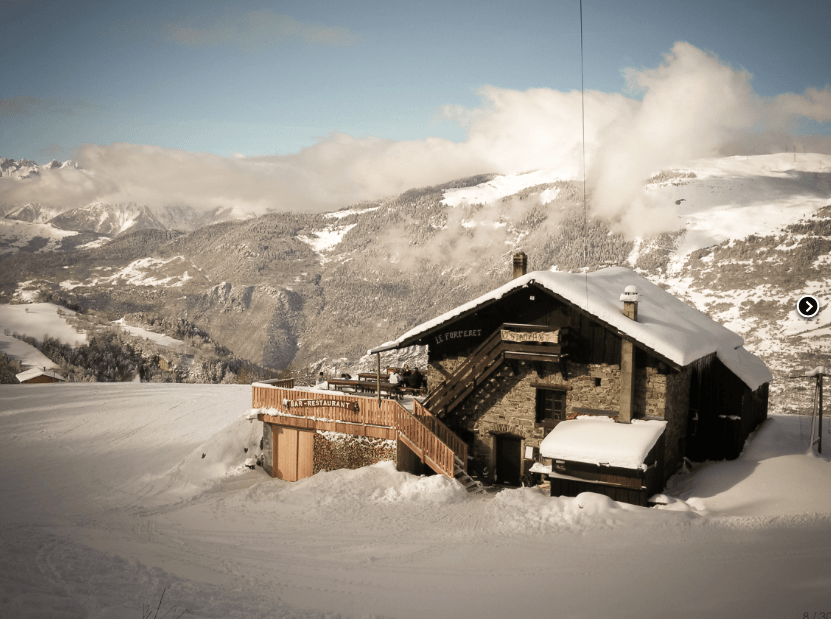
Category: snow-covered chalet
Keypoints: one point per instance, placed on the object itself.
(601, 382)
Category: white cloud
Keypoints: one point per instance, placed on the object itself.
(692, 106)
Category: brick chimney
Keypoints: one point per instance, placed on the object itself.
(627, 358)
(520, 264)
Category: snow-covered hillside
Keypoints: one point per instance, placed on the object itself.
(23, 235)
(112, 492)
(26, 354)
(38, 320)
(158, 338)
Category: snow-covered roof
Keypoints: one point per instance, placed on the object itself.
(665, 324)
(601, 440)
(35, 372)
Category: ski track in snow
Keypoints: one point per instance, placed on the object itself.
(107, 500)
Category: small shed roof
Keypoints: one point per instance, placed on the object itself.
(601, 440)
(35, 372)
(665, 324)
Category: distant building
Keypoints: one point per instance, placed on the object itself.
(39, 375)
(601, 382)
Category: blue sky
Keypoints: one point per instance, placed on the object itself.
(272, 78)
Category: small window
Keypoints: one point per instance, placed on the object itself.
(597, 381)
(551, 406)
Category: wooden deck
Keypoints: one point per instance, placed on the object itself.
(422, 433)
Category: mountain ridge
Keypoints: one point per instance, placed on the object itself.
(317, 290)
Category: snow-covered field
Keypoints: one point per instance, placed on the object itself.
(324, 240)
(27, 355)
(503, 186)
(106, 500)
(38, 320)
(159, 338)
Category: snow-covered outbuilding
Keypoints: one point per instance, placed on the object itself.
(523, 373)
(39, 375)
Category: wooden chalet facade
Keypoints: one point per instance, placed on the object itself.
(506, 369)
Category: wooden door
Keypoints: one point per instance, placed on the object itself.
(508, 460)
(285, 453)
(293, 453)
(305, 454)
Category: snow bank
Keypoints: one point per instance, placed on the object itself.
(773, 477)
(222, 455)
(348, 491)
(533, 511)
(326, 239)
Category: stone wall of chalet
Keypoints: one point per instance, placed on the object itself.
(585, 393)
(438, 371)
(333, 450)
(506, 404)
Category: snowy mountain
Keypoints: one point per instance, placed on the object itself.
(34, 213)
(186, 219)
(23, 168)
(316, 290)
(107, 219)
(98, 218)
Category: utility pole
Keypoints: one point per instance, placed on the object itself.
(819, 373)
(819, 388)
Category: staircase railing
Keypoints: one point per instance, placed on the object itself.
(445, 434)
(485, 360)
(435, 452)
(482, 352)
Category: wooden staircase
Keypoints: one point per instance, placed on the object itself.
(471, 485)
(488, 357)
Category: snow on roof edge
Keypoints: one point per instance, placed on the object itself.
(687, 337)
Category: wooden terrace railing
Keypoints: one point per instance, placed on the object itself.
(285, 383)
(425, 435)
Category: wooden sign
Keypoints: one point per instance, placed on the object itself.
(352, 406)
(530, 336)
